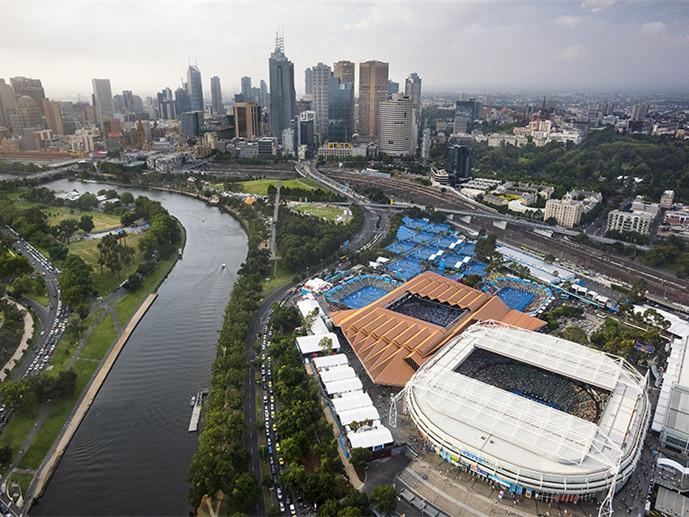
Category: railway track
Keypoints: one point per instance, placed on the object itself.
(661, 284)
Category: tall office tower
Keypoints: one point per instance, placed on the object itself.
(246, 88)
(458, 164)
(308, 81)
(30, 87)
(321, 86)
(373, 89)
(216, 97)
(247, 120)
(465, 114)
(53, 116)
(128, 101)
(412, 88)
(137, 104)
(8, 103)
(28, 114)
(256, 95)
(340, 110)
(118, 103)
(396, 125)
(166, 104)
(195, 88)
(102, 101)
(639, 111)
(393, 87)
(307, 129)
(192, 121)
(263, 99)
(282, 94)
(344, 71)
(426, 144)
(182, 102)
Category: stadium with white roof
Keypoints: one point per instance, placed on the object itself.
(539, 415)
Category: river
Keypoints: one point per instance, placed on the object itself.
(131, 453)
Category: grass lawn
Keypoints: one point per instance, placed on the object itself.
(260, 187)
(101, 221)
(23, 479)
(127, 305)
(106, 281)
(57, 416)
(40, 298)
(327, 212)
(19, 426)
(270, 285)
(100, 339)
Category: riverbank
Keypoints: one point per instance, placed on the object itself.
(23, 342)
(50, 463)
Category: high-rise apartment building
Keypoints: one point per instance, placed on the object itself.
(28, 114)
(246, 88)
(396, 126)
(308, 81)
(412, 88)
(282, 94)
(373, 89)
(29, 87)
(53, 116)
(247, 120)
(166, 104)
(217, 107)
(102, 101)
(195, 88)
(639, 111)
(321, 75)
(458, 164)
(567, 212)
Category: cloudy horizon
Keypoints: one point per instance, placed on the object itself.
(453, 46)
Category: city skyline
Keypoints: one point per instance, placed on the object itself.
(594, 44)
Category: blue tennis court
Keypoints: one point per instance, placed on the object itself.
(444, 242)
(422, 237)
(475, 268)
(516, 298)
(363, 297)
(400, 248)
(405, 269)
(414, 223)
(405, 233)
(468, 248)
(424, 253)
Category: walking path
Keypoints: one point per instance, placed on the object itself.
(51, 461)
(23, 342)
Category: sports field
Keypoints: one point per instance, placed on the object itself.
(327, 212)
(260, 187)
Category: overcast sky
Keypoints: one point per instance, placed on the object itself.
(453, 45)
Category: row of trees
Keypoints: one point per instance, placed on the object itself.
(11, 330)
(221, 462)
(23, 392)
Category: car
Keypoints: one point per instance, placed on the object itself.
(282, 507)
(270, 442)
(277, 446)
(292, 509)
(278, 492)
(272, 407)
(281, 460)
(275, 427)
(270, 451)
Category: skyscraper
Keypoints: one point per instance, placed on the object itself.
(344, 71)
(128, 100)
(396, 126)
(247, 120)
(264, 100)
(393, 87)
(465, 114)
(216, 97)
(53, 116)
(182, 102)
(282, 94)
(321, 84)
(308, 81)
(30, 87)
(412, 88)
(373, 89)
(458, 165)
(195, 88)
(102, 101)
(340, 110)
(8, 104)
(192, 121)
(246, 88)
(166, 104)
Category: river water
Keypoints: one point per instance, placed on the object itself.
(131, 453)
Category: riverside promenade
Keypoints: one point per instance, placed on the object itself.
(51, 461)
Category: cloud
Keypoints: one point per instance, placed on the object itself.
(568, 21)
(597, 5)
(572, 53)
(654, 28)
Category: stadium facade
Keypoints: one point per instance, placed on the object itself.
(539, 415)
(399, 332)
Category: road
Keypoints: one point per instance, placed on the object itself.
(374, 227)
(663, 286)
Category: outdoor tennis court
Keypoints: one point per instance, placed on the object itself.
(516, 298)
(363, 297)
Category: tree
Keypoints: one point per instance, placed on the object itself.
(245, 493)
(126, 198)
(65, 229)
(359, 459)
(384, 498)
(86, 223)
(485, 247)
(5, 454)
(326, 345)
(75, 281)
